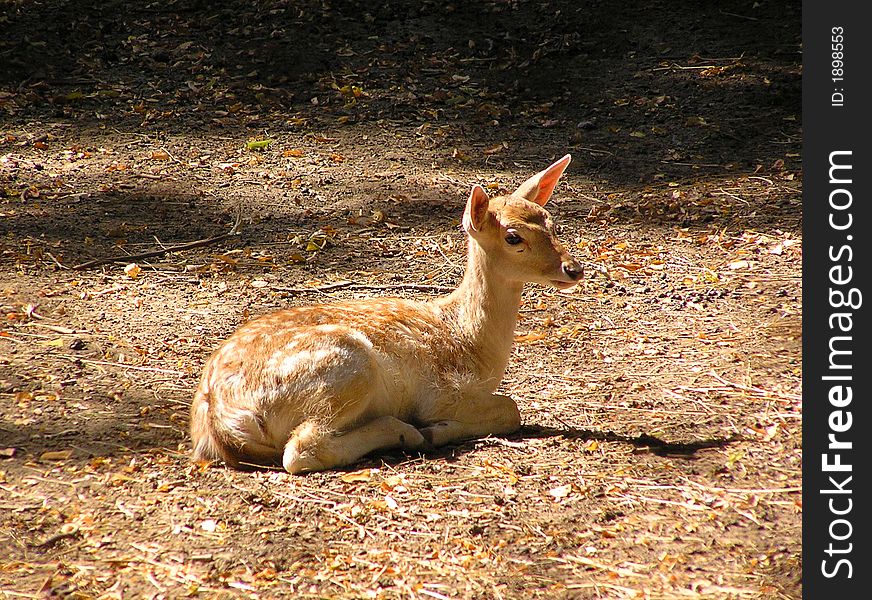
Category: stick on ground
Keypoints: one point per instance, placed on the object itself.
(234, 231)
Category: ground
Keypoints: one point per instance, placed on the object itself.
(323, 150)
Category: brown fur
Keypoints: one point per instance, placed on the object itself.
(319, 386)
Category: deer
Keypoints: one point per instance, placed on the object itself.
(318, 387)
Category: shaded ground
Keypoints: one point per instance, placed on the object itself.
(660, 456)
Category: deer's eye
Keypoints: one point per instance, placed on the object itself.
(513, 239)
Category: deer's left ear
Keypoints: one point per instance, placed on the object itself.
(540, 186)
(475, 215)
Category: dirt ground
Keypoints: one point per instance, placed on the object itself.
(660, 455)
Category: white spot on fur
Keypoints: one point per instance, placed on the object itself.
(288, 365)
(360, 337)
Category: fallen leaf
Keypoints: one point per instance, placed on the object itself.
(629, 266)
(132, 270)
(117, 479)
(56, 455)
(7, 452)
(460, 155)
(394, 483)
(533, 336)
(320, 239)
(225, 259)
(257, 144)
(357, 476)
(495, 149)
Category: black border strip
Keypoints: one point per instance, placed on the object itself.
(837, 228)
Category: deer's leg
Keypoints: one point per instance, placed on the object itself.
(493, 414)
(312, 448)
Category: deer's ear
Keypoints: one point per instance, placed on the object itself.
(475, 215)
(540, 186)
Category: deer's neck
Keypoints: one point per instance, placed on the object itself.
(483, 313)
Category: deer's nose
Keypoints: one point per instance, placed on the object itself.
(573, 270)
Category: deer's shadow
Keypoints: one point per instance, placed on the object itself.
(452, 452)
(643, 442)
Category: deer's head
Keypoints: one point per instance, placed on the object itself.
(518, 235)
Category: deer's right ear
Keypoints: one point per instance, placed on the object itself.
(475, 215)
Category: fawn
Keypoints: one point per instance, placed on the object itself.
(317, 387)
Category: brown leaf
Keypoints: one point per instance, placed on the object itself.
(23, 397)
(495, 149)
(533, 336)
(629, 266)
(132, 270)
(357, 476)
(56, 455)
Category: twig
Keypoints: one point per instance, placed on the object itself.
(733, 196)
(56, 328)
(234, 231)
(365, 286)
(596, 150)
(755, 389)
(589, 562)
(173, 158)
(321, 288)
(56, 261)
(121, 365)
(441, 289)
(746, 17)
